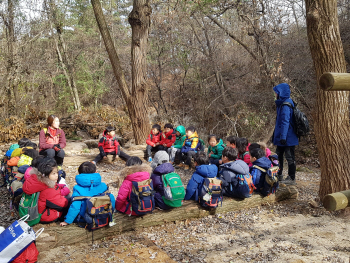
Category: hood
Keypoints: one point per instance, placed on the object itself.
(37, 183)
(164, 168)
(168, 133)
(87, 180)
(209, 171)
(136, 173)
(283, 91)
(195, 134)
(219, 143)
(104, 134)
(263, 162)
(237, 167)
(181, 129)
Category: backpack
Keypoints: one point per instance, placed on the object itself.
(301, 123)
(141, 198)
(97, 210)
(201, 145)
(271, 177)
(245, 181)
(211, 193)
(28, 205)
(174, 190)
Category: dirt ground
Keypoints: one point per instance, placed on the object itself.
(290, 231)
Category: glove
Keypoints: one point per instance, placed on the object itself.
(283, 142)
(57, 147)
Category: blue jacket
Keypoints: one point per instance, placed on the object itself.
(158, 185)
(197, 180)
(230, 183)
(284, 120)
(87, 185)
(259, 177)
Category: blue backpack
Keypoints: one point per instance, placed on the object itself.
(211, 193)
(141, 198)
(245, 186)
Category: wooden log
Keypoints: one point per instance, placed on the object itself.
(331, 81)
(337, 201)
(287, 192)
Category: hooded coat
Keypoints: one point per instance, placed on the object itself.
(284, 120)
(137, 173)
(87, 185)
(259, 177)
(152, 139)
(230, 182)
(180, 139)
(217, 150)
(51, 203)
(108, 144)
(158, 185)
(196, 182)
(168, 138)
(190, 143)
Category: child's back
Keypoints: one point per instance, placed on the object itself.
(258, 175)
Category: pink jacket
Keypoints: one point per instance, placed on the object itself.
(47, 141)
(137, 173)
(268, 152)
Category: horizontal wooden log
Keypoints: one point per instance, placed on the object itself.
(335, 81)
(190, 210)
(287, 193)
(337, 201)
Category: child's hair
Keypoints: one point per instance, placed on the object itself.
(201, 158)
(23, 142)
(30, 152)
(232, 139)
(157, 126)
(109, 129)
(191, 128)
(241, 145)
(257, 153)
(46, 166)
(133, 160)
(37, 160)
(254, 146)
(262, 145)
(87, 168)
(168, 125)
(213, 136)
(230, 153)
(32, 144)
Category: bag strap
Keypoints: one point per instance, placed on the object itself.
(165, 182)
(37, 194)
(261, 169)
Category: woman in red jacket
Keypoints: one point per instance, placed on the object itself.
(51, 204)
(52, 140)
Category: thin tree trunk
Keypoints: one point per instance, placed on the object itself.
(332, 108)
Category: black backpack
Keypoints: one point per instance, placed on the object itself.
(301, 123)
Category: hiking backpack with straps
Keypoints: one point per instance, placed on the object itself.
(301, 123)
(141, 199)
(28, 205)
(211, 193)
(271, 177)
(246, 184)
(174, 190)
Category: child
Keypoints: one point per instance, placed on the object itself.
(259, 160)
(153, 141)
(231, 141)
(160, 166)
(180, 138)
(89, 183)
(243, 152)
(189, 148)
(51, 204)
(216, 146)
(168, 137)
(264, 147)
(109, 145)
(203, 170)
(228, 174)
(135, 171)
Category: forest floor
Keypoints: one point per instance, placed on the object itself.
(289, 231)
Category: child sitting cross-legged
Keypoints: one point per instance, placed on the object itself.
(215, 148)
(189, 148)
(168, 137)
(180, 138)
(89, 183)
(153, 141)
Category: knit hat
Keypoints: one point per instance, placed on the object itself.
(159, 158)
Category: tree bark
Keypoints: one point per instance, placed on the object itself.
(331, 121)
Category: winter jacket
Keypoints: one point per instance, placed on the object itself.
(13, 161)
(168, 138)
(158, 185)
(259, 177)
(230, 182)
(153, 139)
(87, 185)
(191, 143)
(180, 139)
(9, 153)
(25, 160)
(268, 152)
(108, 144)
(137, 173)
(16, 152)
(217, 150)
(245, 156)
(47, 141)
(51, 203)
(284, 120)
(14, 146)
(196, 182)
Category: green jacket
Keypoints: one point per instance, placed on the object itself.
(180, 139)
(217, 150)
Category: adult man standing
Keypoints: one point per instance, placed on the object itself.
(284, 136)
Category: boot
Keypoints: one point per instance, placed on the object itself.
(186, 167)
(181, 165)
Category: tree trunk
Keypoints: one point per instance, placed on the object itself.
(137, 100)
(332, 108)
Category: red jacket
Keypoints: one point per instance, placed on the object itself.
(246, 157)
(47, 141)
(168, 138)
(153, 139)
(108, 143)
(50, 197)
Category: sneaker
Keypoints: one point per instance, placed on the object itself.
(181, 165)
(289, 181)
(186, 167)
(150, 159)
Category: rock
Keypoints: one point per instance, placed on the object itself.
(83, 134)
(91, 144)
